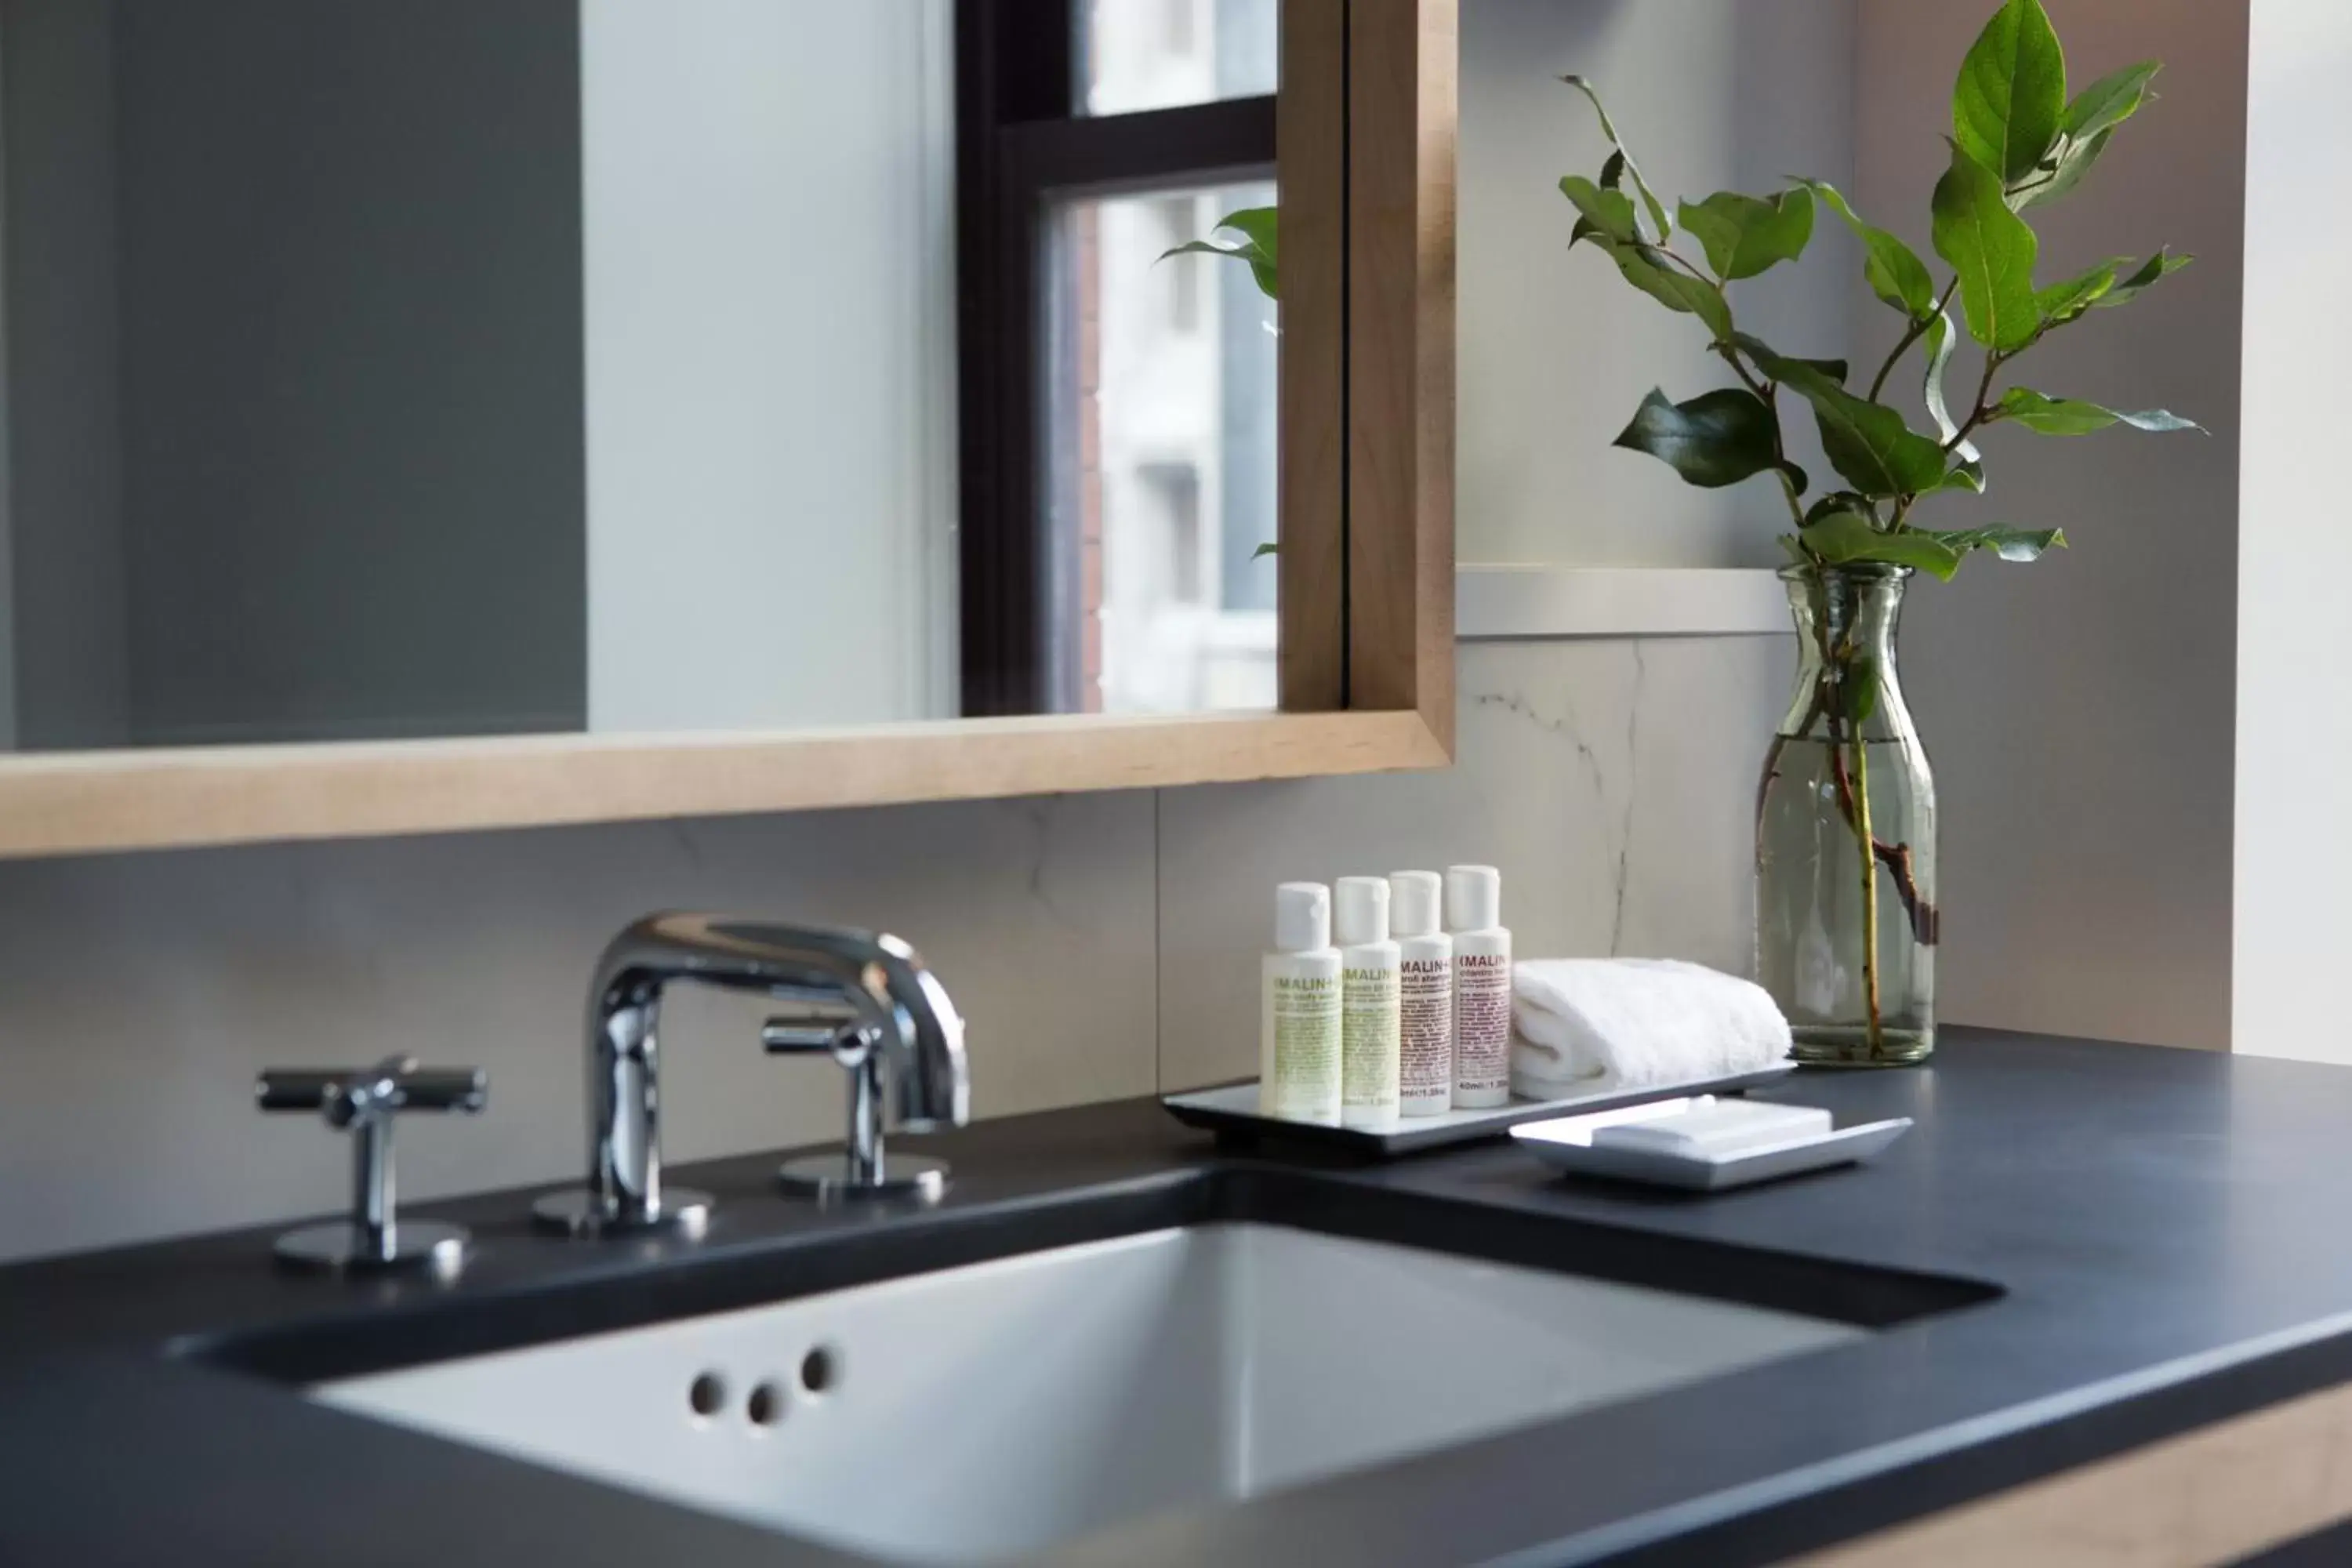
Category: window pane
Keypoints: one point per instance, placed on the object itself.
(1161, 442)
(1160, 54)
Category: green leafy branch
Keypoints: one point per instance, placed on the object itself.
(2018, 142)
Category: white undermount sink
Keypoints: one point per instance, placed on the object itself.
(994, 1410)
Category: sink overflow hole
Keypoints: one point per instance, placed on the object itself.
(820, 1370)
(766, 1405)
(707, 1396)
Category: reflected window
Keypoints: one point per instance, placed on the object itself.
(1118, 404)
(1164, 445)
(1138, 55)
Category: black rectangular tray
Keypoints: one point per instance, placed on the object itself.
(1231, 1111)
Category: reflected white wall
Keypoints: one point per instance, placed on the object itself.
(770, 362)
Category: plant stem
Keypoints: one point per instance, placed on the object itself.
(1994, 360)
(1833, 699)
(1918, 330)
(1740, 368)
(1869, 842)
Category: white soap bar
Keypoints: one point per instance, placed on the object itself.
(1717, 1132)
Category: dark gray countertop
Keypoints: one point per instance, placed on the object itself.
(2161, 1226)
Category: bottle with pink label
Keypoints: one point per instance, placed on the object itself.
(1482, 987)
(1424, 993)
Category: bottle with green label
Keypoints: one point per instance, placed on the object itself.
(1299, 1055)
(1370, 971)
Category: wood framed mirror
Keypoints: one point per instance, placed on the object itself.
(1363, 137)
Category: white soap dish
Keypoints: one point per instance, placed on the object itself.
(1568, 1145)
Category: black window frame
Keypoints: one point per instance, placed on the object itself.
(1021, 145)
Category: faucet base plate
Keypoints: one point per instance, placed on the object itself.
(339, 1247)
(577, 1211)
(827, 1177)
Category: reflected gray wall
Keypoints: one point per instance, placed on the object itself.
(70, 638)
(352, 297)
(294, 362)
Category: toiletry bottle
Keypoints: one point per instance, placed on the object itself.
(1298, 1061)
(1482, 987)
(1424, 993)
(1368, 1004)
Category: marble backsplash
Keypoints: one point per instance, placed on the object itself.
(1101, 945)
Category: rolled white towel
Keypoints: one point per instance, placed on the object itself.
(1585, 1023)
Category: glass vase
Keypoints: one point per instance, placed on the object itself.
(1846, 918)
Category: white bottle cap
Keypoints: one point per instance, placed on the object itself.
(1363, 907)
(1412, 903)
(1473, 898)
(1302, 917)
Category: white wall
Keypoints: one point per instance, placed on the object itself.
(2293, 722)
(770, 370)
(2078, 711)
(1558, 350)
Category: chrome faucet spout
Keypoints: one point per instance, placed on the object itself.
(893, 1025)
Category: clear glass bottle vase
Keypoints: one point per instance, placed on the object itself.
(1846, 918)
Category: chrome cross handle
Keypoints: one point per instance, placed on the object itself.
(861, 1167)
(365, 1101)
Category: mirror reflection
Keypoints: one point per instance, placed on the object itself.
(399, 368)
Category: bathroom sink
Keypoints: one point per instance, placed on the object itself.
(995, 1409)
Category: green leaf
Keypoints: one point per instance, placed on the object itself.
(2019, 544)
(2109, 101)
(2073, 417)
(2080, 158)
(1263, 551)
(1845, 538)
(2012, 96)
(1966, 475)
(1258, 227)
(1649, 270)
(1993, 250)
(1713, 440)
(1744, 235)
(1857, 688)
(1607, 214)
(2162, 265)
(1943, 342)
(1892, 269)
(2063, 302)
(1837, 500)
(1623, 162)
(1867, 443)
